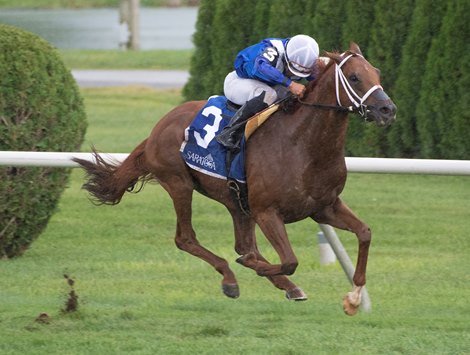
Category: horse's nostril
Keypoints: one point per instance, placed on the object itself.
(388, 110)
(384, 110)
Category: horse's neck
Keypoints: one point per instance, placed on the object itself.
(324, 128)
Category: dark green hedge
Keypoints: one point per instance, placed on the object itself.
(40, 110)
(421, 47)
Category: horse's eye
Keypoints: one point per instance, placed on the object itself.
(353, 78)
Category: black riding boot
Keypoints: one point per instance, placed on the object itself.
(232, 134)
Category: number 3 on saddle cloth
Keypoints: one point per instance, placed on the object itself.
(201, 151)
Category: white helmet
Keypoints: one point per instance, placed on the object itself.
(301, 53)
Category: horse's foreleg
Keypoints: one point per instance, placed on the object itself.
(341, 216)
(245, 245)
(274, 230)
(186, 237)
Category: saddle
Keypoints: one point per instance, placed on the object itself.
(257, 120)
(202, 152)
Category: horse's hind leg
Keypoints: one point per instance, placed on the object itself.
(245, 245)
(181, 192)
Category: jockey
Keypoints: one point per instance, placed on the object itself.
(264, 73)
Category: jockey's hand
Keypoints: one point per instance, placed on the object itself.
(297, 89)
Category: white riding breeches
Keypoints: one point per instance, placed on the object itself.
(240, 90)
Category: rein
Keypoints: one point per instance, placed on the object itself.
(329, 107)
(358, 102)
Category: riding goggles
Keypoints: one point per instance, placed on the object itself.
(298, 69)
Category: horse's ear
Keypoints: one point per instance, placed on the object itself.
(354, 48)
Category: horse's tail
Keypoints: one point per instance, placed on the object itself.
(107, 182)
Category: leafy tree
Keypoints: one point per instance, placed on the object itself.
(198, 86)
(390, 27)
(40, 110)
(442, 113)
(426, 22)
(397, 37)
(260, 27)
(309, 15)
(326, 24)
(359, 16)
(287, 18)
(233, 20)
(356, 28)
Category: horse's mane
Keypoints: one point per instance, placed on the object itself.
(321, 67)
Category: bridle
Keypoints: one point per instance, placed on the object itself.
(358, 102)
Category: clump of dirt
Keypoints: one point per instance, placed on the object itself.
(71, 305)
(43, 318)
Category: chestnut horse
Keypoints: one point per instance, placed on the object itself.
(295, 169)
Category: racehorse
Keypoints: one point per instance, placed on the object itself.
(295, 169)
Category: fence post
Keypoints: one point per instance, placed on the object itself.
(327, 255)
(129, 24)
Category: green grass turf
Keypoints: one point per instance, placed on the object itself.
(117, 59)
(139, 294)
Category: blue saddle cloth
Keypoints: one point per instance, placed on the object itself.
(202, 152)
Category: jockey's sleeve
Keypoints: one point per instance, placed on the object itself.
(265, 71)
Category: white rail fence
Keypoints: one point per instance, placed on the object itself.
(328, 252)
(360, 165)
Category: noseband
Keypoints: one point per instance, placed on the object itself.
(358, 102)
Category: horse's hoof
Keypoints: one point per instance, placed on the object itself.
(231, 290)
(349, 308)
(296, 294)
